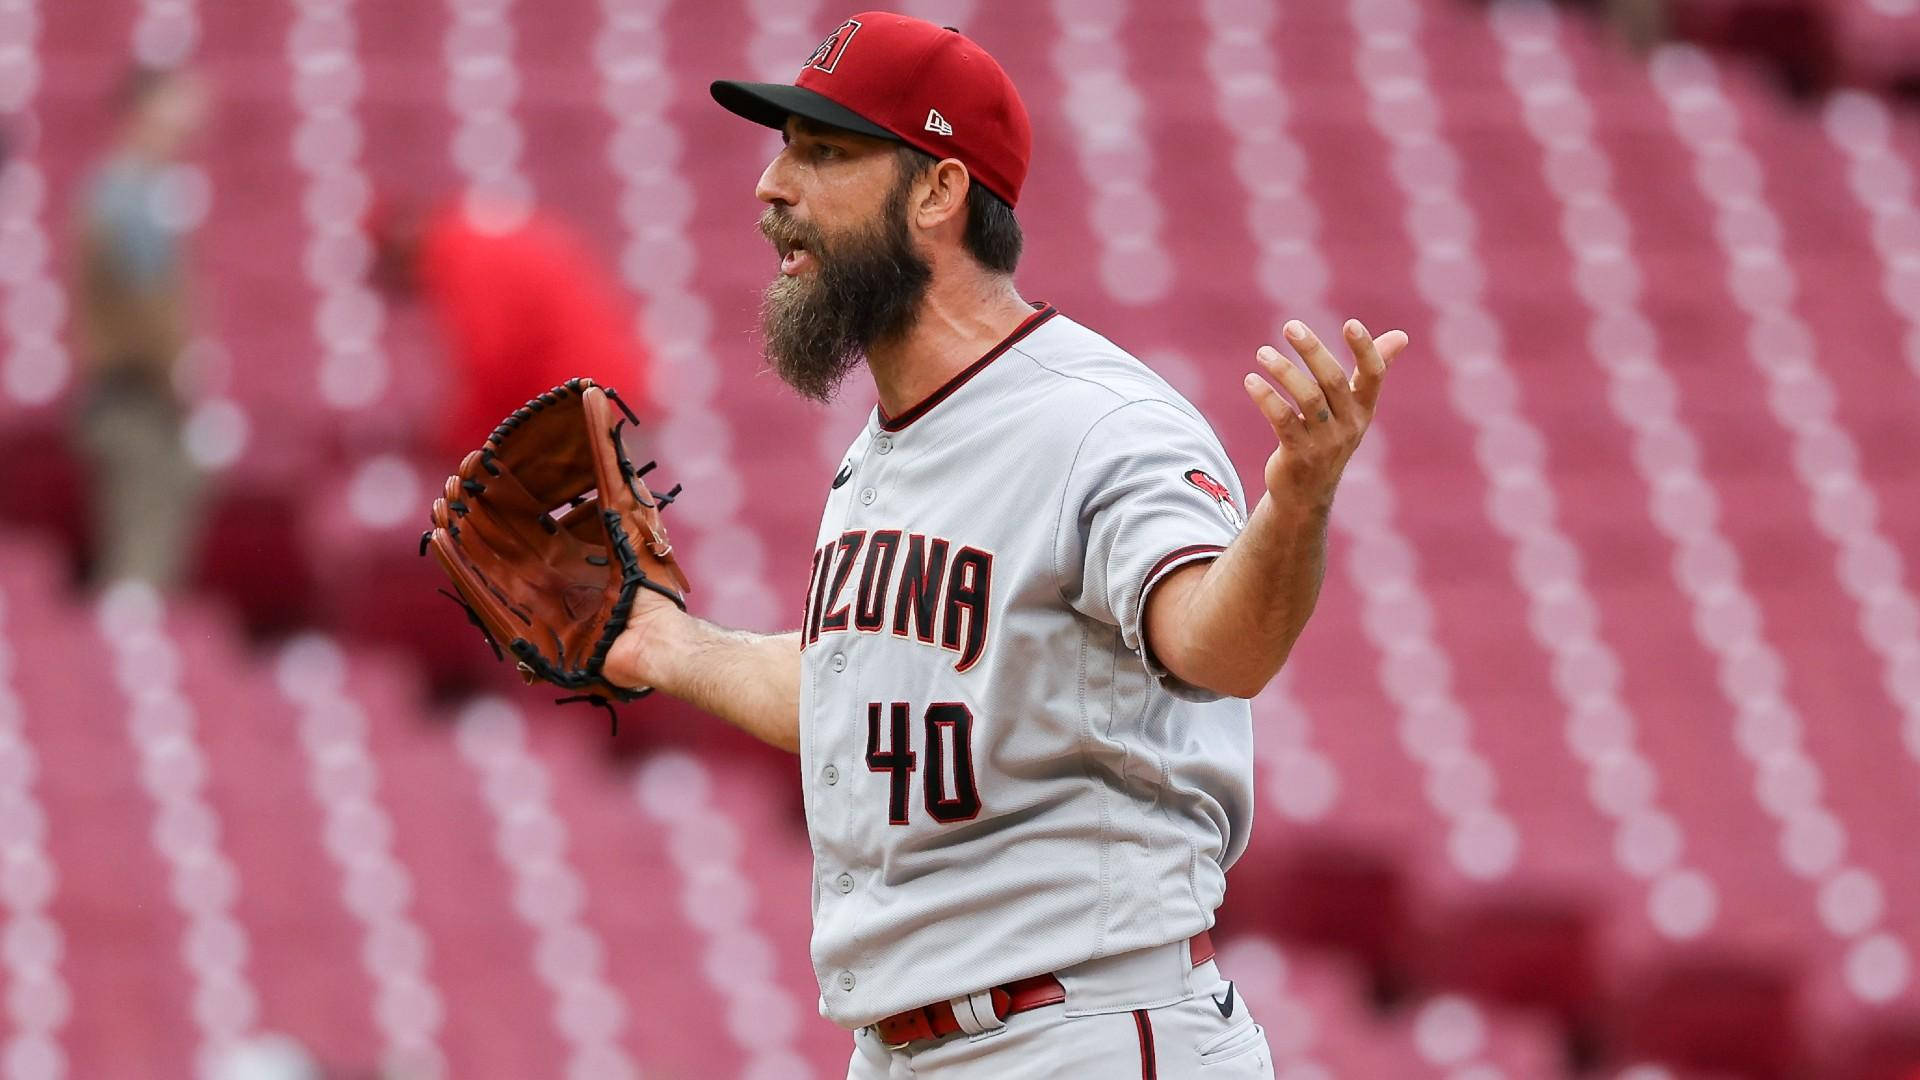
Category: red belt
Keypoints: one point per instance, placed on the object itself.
(1023, 995)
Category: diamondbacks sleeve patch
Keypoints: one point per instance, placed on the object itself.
(1221, 496)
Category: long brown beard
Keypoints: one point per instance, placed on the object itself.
(865, 290)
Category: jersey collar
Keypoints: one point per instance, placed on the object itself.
(1042, 312)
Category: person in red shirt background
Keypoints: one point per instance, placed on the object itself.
(521, 303)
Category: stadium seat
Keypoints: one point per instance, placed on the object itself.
(249, 557)
(46, 485)
(1727, 1015)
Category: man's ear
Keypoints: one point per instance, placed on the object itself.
(942, 195)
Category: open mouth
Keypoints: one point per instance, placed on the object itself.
(788, 238)
(794, 256)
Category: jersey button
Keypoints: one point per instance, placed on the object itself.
(867, 496)
(846, 980)
(883, 444)
(831, 774)
(844, 883)
(839, 661)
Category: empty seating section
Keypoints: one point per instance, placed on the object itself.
(1603, 749)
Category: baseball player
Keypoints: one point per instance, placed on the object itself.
(1035, 607)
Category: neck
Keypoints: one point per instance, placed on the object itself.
(959, 322)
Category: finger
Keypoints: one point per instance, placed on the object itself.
(1304, 390)
(1390, 344)
(1372, 357)
(1369, 366)
(1326, 370)
(1277, 409)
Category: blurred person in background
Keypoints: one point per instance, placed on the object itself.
(1643, 23)
(133, 324)
(521, 303)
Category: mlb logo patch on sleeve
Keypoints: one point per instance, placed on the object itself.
(1221, 496)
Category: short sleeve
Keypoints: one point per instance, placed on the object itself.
(1150, 491)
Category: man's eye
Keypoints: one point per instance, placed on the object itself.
(822, 150)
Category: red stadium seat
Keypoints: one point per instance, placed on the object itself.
(1731, 1016)
(249, 556)
(46, 486)
(1538, 952)
(1885, 1051)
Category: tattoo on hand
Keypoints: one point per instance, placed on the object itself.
(1324, 414)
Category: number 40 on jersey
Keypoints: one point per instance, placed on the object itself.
(947, 781)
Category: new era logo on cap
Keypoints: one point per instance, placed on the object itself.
(827, 56)
(937, 123)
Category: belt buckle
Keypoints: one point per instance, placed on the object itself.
(924, 1024)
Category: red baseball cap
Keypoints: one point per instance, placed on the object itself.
(896, 77)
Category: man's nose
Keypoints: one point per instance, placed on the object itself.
(773, 186)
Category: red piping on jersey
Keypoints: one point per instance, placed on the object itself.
(1143, 1025)
(1041, 314)
(1177, 554)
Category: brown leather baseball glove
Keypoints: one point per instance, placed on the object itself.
(548, 533)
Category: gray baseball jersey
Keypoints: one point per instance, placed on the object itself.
(999, 780)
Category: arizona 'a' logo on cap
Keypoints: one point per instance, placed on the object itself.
(1220, 495)
(828, 55)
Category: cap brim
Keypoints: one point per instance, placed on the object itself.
(769, 104)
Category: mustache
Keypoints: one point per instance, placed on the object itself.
(784, 230)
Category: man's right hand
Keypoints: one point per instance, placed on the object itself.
(641, 656)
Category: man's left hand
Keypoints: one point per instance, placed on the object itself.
(1321, 427)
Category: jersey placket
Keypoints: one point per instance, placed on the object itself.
(841, 705)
